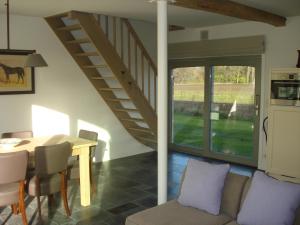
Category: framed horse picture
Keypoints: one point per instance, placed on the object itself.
(14, 77)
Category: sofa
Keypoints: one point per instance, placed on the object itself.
(172, 213)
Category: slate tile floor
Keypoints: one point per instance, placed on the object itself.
(124, 186)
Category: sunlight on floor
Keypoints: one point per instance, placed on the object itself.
(47, 122)
(103, 135)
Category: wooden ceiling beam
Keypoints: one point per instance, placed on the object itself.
(233, 9)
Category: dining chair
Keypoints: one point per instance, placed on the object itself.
(18, 134)
(22, 135)
(51, 163)
(12, 181)
(73, 170)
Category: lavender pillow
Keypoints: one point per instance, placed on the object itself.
(269, 201)
(202, 186)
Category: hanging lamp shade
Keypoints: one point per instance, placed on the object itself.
(35, 60)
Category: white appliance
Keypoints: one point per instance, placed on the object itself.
(283, 146)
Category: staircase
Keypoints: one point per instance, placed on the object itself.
(113, 58)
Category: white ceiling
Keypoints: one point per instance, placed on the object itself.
(143, 10)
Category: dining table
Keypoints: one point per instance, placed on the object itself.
(80, 147)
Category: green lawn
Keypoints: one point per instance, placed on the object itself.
(234, 137)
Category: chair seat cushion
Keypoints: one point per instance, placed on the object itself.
(48, 185)
(175, 214)
(9, 194)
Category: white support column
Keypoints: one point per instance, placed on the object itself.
(162, 99)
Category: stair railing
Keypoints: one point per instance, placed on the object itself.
(130, 48)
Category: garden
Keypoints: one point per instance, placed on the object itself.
(232, 107)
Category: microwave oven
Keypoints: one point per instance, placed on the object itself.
(285, 88)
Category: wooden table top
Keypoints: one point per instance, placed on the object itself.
(30, 143)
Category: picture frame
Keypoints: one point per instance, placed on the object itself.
(14, 77)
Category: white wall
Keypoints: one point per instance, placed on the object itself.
(147, 32)
(281, 50)
(64, 101)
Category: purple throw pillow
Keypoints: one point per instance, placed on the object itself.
(269, 201)
(202, 187)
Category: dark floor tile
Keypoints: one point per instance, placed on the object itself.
(147, 202)
(136, 193)
(93, 221)
(143, 186)
(123, 208)
(152, 190)
(116, 220)
(131, 212)
(91, 215)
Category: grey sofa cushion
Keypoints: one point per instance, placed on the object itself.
(235, 189)
(245, 192)
(172, 213)
(269, 201)
(297, 219)
(203, 185)
(232, 194)
(296, 222)
(232, 223)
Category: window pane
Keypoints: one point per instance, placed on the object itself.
(188, 98)
(233, 110)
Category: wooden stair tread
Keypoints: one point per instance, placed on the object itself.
(103, 78)
(140, 129)
(79, 41)
(147, 139)
(133, 120)
(70, 27)
(60, 15)
(126, 110)
(95, 66)
(117, 99)
(87, 54)
(109, 89)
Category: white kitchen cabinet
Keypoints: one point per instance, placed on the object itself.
(283, 154)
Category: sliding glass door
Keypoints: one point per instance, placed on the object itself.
(214, 108)
(232, 110)
(187, 113)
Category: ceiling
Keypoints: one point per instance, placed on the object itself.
(143, 10)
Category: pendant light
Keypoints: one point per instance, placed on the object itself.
(32, 60)
(35, 60)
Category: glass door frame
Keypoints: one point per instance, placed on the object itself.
(208, 63)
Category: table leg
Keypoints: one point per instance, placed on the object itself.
(85, 189)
